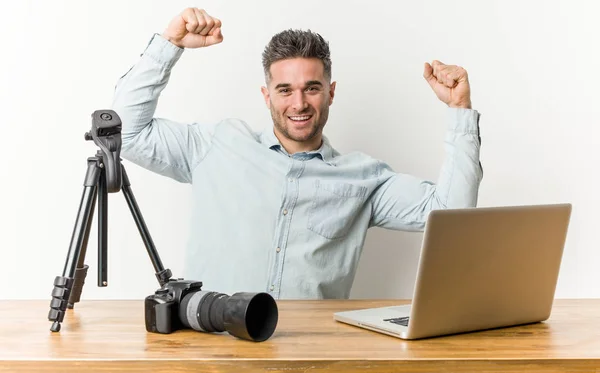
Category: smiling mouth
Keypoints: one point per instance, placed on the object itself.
(300, 119)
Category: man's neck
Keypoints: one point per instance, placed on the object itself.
(292, 147)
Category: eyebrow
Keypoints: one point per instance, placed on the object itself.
(309, 83)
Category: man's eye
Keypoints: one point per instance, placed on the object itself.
(284, 90)
(313, 88)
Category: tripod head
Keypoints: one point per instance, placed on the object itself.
(106, 134)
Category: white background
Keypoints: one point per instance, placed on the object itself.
(533, 68)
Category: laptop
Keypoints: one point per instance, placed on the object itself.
(479, 268)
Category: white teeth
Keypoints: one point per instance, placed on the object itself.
(305, 117)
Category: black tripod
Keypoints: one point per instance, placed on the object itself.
(105, 174)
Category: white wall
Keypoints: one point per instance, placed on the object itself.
(533, 69)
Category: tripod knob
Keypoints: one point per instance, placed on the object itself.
(88, 136)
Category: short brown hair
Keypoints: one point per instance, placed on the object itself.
(296, 43)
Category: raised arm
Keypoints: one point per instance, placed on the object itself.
(164, 146)
(402, 201)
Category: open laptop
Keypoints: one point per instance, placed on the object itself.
(479, 268)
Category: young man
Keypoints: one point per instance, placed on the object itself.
(282, 211)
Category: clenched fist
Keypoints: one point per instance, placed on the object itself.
(450, 84)
(194, 28)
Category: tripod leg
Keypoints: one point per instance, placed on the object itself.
(102, 231)
(163, 275)
(64, 284)
(82, 268)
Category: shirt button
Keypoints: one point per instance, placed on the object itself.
(272, 287)
(284, 212)
(278, 249)
(291, 179)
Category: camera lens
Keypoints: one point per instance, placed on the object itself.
(251, 316)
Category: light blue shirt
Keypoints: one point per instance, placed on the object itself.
(292, 225)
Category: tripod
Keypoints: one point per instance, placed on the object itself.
(105, 174)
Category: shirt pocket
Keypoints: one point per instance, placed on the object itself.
(334, 208)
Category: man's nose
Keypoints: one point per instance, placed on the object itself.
(299, 102)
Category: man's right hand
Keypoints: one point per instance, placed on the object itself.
(194, 28)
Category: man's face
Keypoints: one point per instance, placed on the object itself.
(299, 97)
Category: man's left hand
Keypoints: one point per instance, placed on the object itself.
(450, 84)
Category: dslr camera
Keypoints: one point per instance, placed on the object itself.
(181, 304)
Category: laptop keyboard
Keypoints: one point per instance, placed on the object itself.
(398, 320)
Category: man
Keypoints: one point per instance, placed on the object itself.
(282, 211)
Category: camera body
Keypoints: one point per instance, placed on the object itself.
(162, 307)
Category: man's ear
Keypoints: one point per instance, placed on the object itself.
(331, 92)
(267, 97)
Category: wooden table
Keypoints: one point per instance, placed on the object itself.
(110, 336)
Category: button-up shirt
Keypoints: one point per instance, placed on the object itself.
(292, 225)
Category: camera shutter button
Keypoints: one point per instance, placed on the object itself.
(162, 291)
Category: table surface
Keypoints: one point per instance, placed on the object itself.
(108, 335)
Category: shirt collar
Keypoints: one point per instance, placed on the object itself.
(325, 152)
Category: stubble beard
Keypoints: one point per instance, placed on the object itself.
(280, 122)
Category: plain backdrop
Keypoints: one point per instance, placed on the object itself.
(533, 67)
